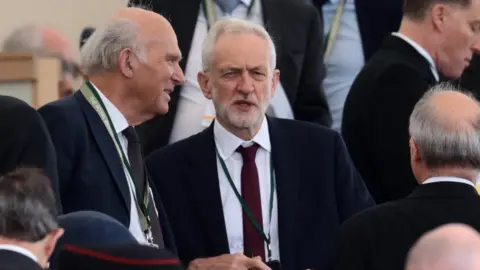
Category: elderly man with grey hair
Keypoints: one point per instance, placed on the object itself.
(448, 247)
(29, 228)
(43, 40)
(445, 159)
(132, 63)
(253, 188)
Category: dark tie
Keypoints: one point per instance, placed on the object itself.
(252, 239)
(138, 168)
(227, 6)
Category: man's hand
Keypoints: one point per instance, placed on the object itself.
(236, 261)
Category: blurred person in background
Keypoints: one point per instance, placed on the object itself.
(29, 228)
(43, 40)
(436, 41)
(448, 247)
(26, 142)
(297, 30)
(353, 31)
(445, 159)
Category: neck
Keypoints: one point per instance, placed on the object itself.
(115, 91)
(416, 32)
(245, 134)
(34, 248)
(468, 174)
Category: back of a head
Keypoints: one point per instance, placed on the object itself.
(27, 144)
(445, 126)
(416, 10)
(448, 247)
(27, 206)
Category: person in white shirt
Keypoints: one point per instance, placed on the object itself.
(448, 247)
(29, 229)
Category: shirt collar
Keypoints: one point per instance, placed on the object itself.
(246, 2)
(227, 143)
(448, 179)
(120, 123)
(421, 51)
(20, 250)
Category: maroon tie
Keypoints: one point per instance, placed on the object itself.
(252, 240)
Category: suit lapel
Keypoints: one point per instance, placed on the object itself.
(106, 146)
(287, 171)
(205, 191)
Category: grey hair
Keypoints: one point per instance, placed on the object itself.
(440, 142)
(27, 206)
(102, 49)
(234, 26)
(27, 38)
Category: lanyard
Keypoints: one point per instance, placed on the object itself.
(210, 11)
(332, 33)
(251, 218)
(96, 102)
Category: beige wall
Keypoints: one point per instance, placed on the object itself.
(67, 16)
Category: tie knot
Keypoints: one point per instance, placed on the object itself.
(131, 135)
(248, 153)
(227, 6)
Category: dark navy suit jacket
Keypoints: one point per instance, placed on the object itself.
(317, 189)
(91, 176)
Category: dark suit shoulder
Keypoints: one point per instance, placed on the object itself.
(305, 131)
(63, 110)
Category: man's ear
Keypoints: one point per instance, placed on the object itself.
(126, 62)
(204, 82)
(440, 14)
(414, 153)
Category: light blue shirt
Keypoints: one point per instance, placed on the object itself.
(345, 60)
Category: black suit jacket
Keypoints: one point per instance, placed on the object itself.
(380, 238)
(10, 260)
(376, 20)
(317, 189)
(91, 176)
(297, 31)
(376, 117)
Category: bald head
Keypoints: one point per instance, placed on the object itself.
(449, 247)
(454, 109)
(129, 27)
(445, 134)
(151, 25)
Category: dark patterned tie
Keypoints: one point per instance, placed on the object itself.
(138, 168)
(252, 239)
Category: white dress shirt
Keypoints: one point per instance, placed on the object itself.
(227, 143)
(345, 60)
(20, 250)
(421, 51)
(120, 123)
(439, 179)
(192, 105)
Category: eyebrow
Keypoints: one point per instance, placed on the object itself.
(172, 56)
